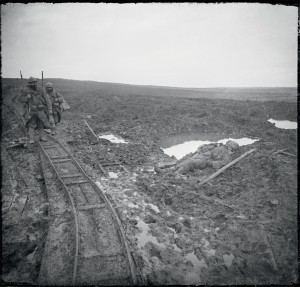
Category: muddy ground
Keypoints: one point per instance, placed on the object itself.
(240, 228)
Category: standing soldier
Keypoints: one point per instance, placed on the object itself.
(39, 113)
(58, 105)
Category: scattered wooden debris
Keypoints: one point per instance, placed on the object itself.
(24, 205)
(214, 200)
(266, 239)
(23, 145)
(278, 151)
(226, 166)
(91, 130)
(283, 152)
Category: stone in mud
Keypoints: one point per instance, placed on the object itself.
(168, 200)
(149, 219)
(129, 193)
(133, 221)
(187, 222)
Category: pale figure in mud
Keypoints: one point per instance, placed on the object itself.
(58, 106)
(211, 155)
(38, 114)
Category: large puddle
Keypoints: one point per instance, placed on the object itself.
(287, 125)
(190, 146)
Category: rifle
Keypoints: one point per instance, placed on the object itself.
(14, 98)
(42, 79)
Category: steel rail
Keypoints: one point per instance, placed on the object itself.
(75, 217)
(100, 193)
(115, 215)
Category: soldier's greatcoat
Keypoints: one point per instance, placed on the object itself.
(38, 106)
(58, 103)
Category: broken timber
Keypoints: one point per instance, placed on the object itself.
(91, 130)
(283, 152)
(227, 166)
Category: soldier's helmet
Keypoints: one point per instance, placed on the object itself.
(32, 80)
(49, 85)
(232, 145)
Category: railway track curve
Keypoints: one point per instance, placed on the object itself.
(101, 253)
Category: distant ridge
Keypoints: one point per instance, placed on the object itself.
(104, 88)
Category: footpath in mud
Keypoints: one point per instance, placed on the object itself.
(240, 228)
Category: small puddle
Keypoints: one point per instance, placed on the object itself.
(228, 259)
(132, 205)
(112, 174)
(287, 125)
(193, 277)
(207, 249)
(198, 264)
(144, 236)
(182, 149)
(113, 139)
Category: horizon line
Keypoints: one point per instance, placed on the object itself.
(176, 87)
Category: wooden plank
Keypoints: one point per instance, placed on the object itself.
(71, 175)
(59, 156)
(91, 130)
(62, 160)
(49, 146)
(76, 182)
(93, 206)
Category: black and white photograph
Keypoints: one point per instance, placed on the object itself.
(149, 144)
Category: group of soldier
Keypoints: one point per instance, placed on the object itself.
(42, 108)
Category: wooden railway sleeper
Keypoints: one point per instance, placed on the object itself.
(59, 157)
(62, 160)
(76, 182)
(71, 175)
(89, 207)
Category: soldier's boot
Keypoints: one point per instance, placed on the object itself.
(31, 135)
(53, 130)
(42, 135)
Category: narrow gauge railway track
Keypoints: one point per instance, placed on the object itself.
(90, 205)
(101, 253)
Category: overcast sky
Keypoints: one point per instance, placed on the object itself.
(182, 45)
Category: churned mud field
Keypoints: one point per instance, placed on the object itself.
(239, 228)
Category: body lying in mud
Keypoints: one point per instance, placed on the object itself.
(213, 155)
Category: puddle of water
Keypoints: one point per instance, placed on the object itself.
(228, 259)
(112, 174)
(284, 124)
(192, 278)
(207, 249)
(144, 237)
(132, 205)
(198, 264)
(113, 139)
(180, 150)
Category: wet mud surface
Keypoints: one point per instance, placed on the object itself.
(239, 228)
